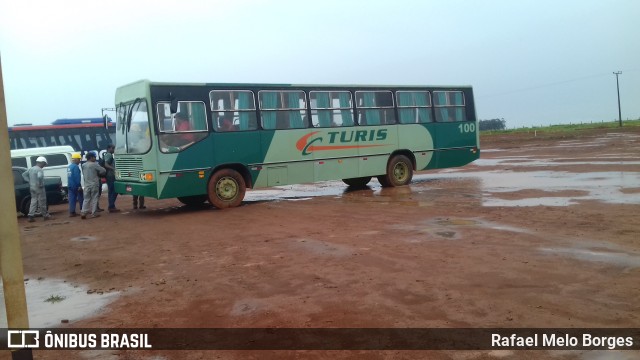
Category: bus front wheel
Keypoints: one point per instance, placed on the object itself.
(226, 189)
(357, 182)
(399, 172)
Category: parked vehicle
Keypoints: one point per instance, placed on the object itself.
(58, 157)
(52, 185)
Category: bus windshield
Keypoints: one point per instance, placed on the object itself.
(132, 134)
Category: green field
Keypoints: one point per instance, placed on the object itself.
(564, 128)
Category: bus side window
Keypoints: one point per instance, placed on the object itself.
(450, 106)
(183, 129)
(237, 105)
(375, 107)
(283, 109)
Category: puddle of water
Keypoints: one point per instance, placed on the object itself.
(297, 192)
(543, 201)
(446, 234)
(479, 222)
(491, 150)
(84, 238)
(575, 145)
(600, 186)
(502, 227)
(451, 170)
(338, 189)
(608, 257)
(604, 156)
(615, 155)
(75, 303)
(446, 229)
(551, 162)
(446, 222)
(623, 135)
(438, 229)
(570, 141)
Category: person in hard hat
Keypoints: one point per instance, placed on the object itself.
(110, 166)
(35, 177)
(91, 172)
(74, 182)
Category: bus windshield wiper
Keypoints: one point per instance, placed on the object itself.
(121, 115)
(137, 101)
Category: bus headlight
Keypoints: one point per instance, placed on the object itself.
(146, 176)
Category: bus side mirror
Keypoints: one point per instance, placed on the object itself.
(174, 104)
(105, 121)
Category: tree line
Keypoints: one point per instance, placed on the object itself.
(492, 124)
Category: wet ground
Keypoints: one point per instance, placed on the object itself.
(540, 232)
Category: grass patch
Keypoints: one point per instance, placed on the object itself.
(562, 128)
(55, 299)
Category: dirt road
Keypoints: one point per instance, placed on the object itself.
(540, 232)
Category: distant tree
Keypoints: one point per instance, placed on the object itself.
(492, 124)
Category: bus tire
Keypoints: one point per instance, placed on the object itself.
(399, 172)
(226, 189)
(359, 182)
(195, 200)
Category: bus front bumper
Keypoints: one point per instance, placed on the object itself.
(136, 188)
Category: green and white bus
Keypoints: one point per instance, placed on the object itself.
(199, 142)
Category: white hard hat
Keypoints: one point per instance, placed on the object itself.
(41, 159)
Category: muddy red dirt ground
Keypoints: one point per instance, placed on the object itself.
(433, 254)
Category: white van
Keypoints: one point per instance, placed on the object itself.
(58, 159)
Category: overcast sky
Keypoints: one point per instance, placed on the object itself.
(531, 62)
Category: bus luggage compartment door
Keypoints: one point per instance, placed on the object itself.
(276, 175)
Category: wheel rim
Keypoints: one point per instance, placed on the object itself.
(226, 189)
(401, 172)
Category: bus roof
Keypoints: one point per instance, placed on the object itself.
(79, 121)
(23, 127)
(274, 85)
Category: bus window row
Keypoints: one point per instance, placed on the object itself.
(79, 138)
(235, 110)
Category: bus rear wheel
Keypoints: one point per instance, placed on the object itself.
(359, 182)
(226, 189)
(399, 172)
(195, 200)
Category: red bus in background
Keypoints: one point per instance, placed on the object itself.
(84, 134)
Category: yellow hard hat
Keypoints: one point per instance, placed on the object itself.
(76, 156)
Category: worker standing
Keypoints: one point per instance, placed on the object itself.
(91, 171)
(74, 182)
(35, 177)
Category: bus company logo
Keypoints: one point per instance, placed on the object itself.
(19, 339)
(340, 140)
